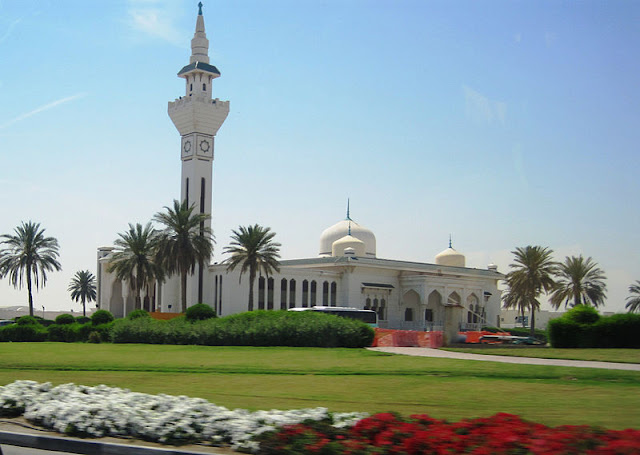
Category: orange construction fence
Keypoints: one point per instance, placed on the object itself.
(407, 338)
(164, 316)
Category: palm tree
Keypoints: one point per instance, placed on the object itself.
(28, 255)
(633, 303)
(579, 281)
(83, 288)
(184, 242)
(134, 259)
(531, 276)
(253, 249)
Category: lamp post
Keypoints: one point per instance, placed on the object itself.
(42, 311)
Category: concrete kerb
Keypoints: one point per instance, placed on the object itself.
(429, 352)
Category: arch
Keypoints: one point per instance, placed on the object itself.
(292, 293)
(313, 293)
(261, 286)
(270, 286)
(367, 303)
(411, 297)
(408, 315)
(454, 299)
(305, 294)
(325, 293)
(474, 308)
(382, 314)
(283, 294)
(334, 291)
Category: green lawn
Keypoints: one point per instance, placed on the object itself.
(602, 355)
(340, 379)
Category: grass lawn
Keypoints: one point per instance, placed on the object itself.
(340, 379)
(602, 355)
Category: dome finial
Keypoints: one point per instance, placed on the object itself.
(200, 9)
(348, 216)
(349, 228)
(450, 241)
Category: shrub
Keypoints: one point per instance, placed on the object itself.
(582, 314)
(136, 314)
(254, 328)
(94, 337)
(65, 319)
(27, 320)
(616, 331)
(101, 317)
(67, 333)
(82, 319)
(23, 332)
(200, 312)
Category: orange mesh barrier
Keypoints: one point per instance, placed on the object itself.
(407, 338)
(164, 316)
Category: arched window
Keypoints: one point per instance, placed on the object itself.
(292, 294)
(375, 304)
(334, 291)
(408, 314)
(283, 294)
(381, 310)
(367, 304)
(261, 286)
(190, 87)
(314, 292)
(325, 293)
(270, 294)
(428, 315)
(305, 294)
(469, 316)
(204, 87)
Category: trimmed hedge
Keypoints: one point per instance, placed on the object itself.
(101, 317)
(254, 328)
(23, 332)
(65, 319)
(200, 312)
(579, 329)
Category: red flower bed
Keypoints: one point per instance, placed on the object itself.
(420, 434)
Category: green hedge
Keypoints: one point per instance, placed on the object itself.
(23, 332)
(525, 332)
(255, 328)
(579, 329)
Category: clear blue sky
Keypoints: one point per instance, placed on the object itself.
(503, 123)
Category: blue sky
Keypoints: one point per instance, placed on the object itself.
(503, 124)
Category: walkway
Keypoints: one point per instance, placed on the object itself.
(428, 352)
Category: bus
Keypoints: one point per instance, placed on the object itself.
(369, 317)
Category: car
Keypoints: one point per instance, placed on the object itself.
(4, 322)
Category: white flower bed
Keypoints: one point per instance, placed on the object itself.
(110, 411)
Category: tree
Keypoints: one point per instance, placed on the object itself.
(28, 255)
(83, 288)
(579, 281)
(134, 259)
(633, 303)
(532, 274)
(184, 242)
(253, 249)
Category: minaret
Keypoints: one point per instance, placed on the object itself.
(198, 117)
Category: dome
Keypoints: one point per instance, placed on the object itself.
(450, 257)
(348, 246)
(344, 228)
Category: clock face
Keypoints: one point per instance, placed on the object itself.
(205, 146)
(186, 147)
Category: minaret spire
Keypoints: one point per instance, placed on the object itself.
(348, 217)
(199, 43)
(450, 242)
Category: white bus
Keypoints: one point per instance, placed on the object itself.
(368, 316)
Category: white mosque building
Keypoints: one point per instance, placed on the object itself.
(346, 272)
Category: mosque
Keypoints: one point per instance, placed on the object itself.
(346, 272)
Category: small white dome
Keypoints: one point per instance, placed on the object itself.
(348, 246)
(451, 258)
(345, 228)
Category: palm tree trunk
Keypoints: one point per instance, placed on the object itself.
(29, 290)
(533, 321)
(576, 300)
(183, 279)
(84, 308)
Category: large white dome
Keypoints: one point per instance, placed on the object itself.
(342, 229)
(451, 258)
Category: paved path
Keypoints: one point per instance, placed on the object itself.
(428, 352)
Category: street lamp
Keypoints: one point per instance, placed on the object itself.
(42, 311)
